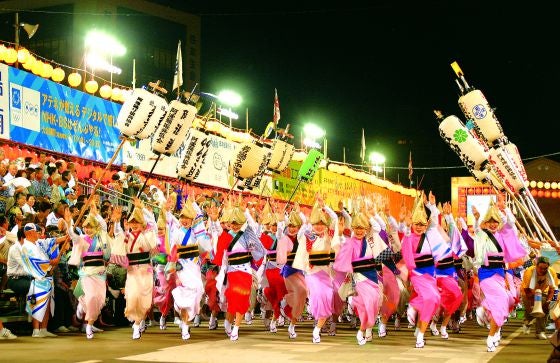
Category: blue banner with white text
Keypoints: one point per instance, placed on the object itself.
(55, 117)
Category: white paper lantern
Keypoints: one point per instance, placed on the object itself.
(471, 152)
(105, 91)
(476, 108)
(141, 114)
(197, 145)
(212, 126)
(172, 131)
(506, 169)
(249, 159)
(479, 175)
(514, 153)
(281, 155)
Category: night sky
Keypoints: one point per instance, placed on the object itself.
(384, 66)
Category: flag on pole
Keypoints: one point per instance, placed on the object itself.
(363, 149)
(410, 167)
(178, 77)
(276, 115)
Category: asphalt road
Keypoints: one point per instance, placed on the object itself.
(257, 345)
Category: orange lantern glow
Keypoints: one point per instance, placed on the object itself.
(23, 55)
(28, 65)
(58, 74)
(92, 86)
(74, 79)
(3, 52)
(47, 71)
(105, 91)
(11, 56)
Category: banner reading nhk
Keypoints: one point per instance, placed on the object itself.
(51, 116)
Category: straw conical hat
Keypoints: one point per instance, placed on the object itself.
(493, 213)
(419, 215)
(188, 210)
(137, 216)
(359, 218)
(319, 216)
(294, 219)
(236, 214)
(161, 222)
(267, 216)
(92, 222)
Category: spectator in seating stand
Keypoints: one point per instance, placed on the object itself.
(56, 214)
(60, 166)
(72, 175)
(27, 208)
(18, 279)
(43, 209)
(51, 172)
(19, 202)
(66, 179)
(123, 175)
(40, 186)
(116, 185)
(11, 172)
(134, 181)
(57, 193)
(61, 321)
(91, 181)
(18, 221)
(71, 196)
(75, 210)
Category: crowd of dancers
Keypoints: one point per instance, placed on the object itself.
(423, 263)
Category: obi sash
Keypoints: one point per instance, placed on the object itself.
(445, 263)
(424, 261)
(366, 266)
(93, 259)
(190, 251)
(138, 258)
(239, 258)
(320, 259)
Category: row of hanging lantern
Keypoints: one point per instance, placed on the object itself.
(33, 64)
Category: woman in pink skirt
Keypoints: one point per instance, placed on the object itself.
(293, 278)
(313, 256)
(494, 247)
(357, 258)
(420, 249)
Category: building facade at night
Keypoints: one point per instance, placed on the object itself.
(149, 31)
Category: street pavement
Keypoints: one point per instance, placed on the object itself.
(257, 345)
